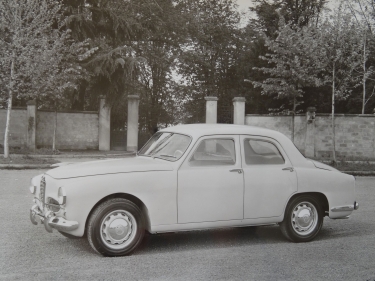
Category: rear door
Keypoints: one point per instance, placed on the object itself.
(269, 177)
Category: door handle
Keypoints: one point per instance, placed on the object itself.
(288, 169)
(236, 170)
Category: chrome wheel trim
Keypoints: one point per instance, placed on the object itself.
(304, 218)
(118, 229)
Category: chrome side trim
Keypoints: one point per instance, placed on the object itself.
(343, 208)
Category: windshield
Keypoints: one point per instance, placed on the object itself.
(167, 146)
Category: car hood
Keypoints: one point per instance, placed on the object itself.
(322, 166)
(110, 166)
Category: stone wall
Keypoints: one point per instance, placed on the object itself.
(75, 130)
(18, 127)
(355, 134)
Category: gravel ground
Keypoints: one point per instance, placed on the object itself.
(344, 250)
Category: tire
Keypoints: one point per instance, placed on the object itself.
(303, 219)
(67, 235)
(116, 227)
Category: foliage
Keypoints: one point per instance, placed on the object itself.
(31, 39)
(296, 13)
(293, 63)
(342, 48)
(207, 65)
(341, 53)
(31, 43)
(363, 12)
(173, 53)
(160, 48)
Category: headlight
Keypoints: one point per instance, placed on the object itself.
(35, 181)
(62, 196)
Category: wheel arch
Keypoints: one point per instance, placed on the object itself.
(129, 197)
(321, 197)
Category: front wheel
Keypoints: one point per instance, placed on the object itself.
(116, 227)
(303, 219)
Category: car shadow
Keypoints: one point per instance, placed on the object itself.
(209, 239)
(227, 238)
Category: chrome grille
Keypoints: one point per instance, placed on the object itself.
(42, 192)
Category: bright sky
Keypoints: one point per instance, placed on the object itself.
(244, 4)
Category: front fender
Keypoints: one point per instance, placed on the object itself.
(156, 189)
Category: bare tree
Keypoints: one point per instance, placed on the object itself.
(30, 44)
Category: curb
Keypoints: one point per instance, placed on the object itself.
(360, 173)
(25, 166)
(84, 155)
(76, 155)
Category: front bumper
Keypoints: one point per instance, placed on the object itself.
(50, 220)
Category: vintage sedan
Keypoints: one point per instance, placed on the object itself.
(193, 177)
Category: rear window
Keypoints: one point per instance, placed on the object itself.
(260, 152)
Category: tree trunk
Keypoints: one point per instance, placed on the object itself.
(10, 100)
(54, 133)
(364, 76)
(293, 117)
(333, 118)
(364, 95)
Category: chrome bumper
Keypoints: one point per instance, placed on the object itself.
(353, 207)
(51, 221)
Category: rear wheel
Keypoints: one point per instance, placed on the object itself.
(116, 227)
(303, 219)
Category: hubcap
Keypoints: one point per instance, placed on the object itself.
(304, 218)
(118, 229)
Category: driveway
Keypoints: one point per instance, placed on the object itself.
(344, 250)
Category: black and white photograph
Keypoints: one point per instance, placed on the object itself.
(187, 140)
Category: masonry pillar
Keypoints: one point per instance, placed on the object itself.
(239, 110)
(132, 135)
(104, 126)
(310, 132)
(31, 125)
(211, 109)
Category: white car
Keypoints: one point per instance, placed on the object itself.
(191, 177)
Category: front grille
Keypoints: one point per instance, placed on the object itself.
(42, 192)
(53, 205)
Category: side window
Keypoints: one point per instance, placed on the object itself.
(260, 152)
(214, 152)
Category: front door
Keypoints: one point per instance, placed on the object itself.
(270, 179)
(210, 181)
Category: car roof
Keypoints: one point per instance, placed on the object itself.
(198, 130)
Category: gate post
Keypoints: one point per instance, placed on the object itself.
(310, 132)
(132, 134)
(211, 109)
(31, 125)
(239, 110)
(104, 126)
